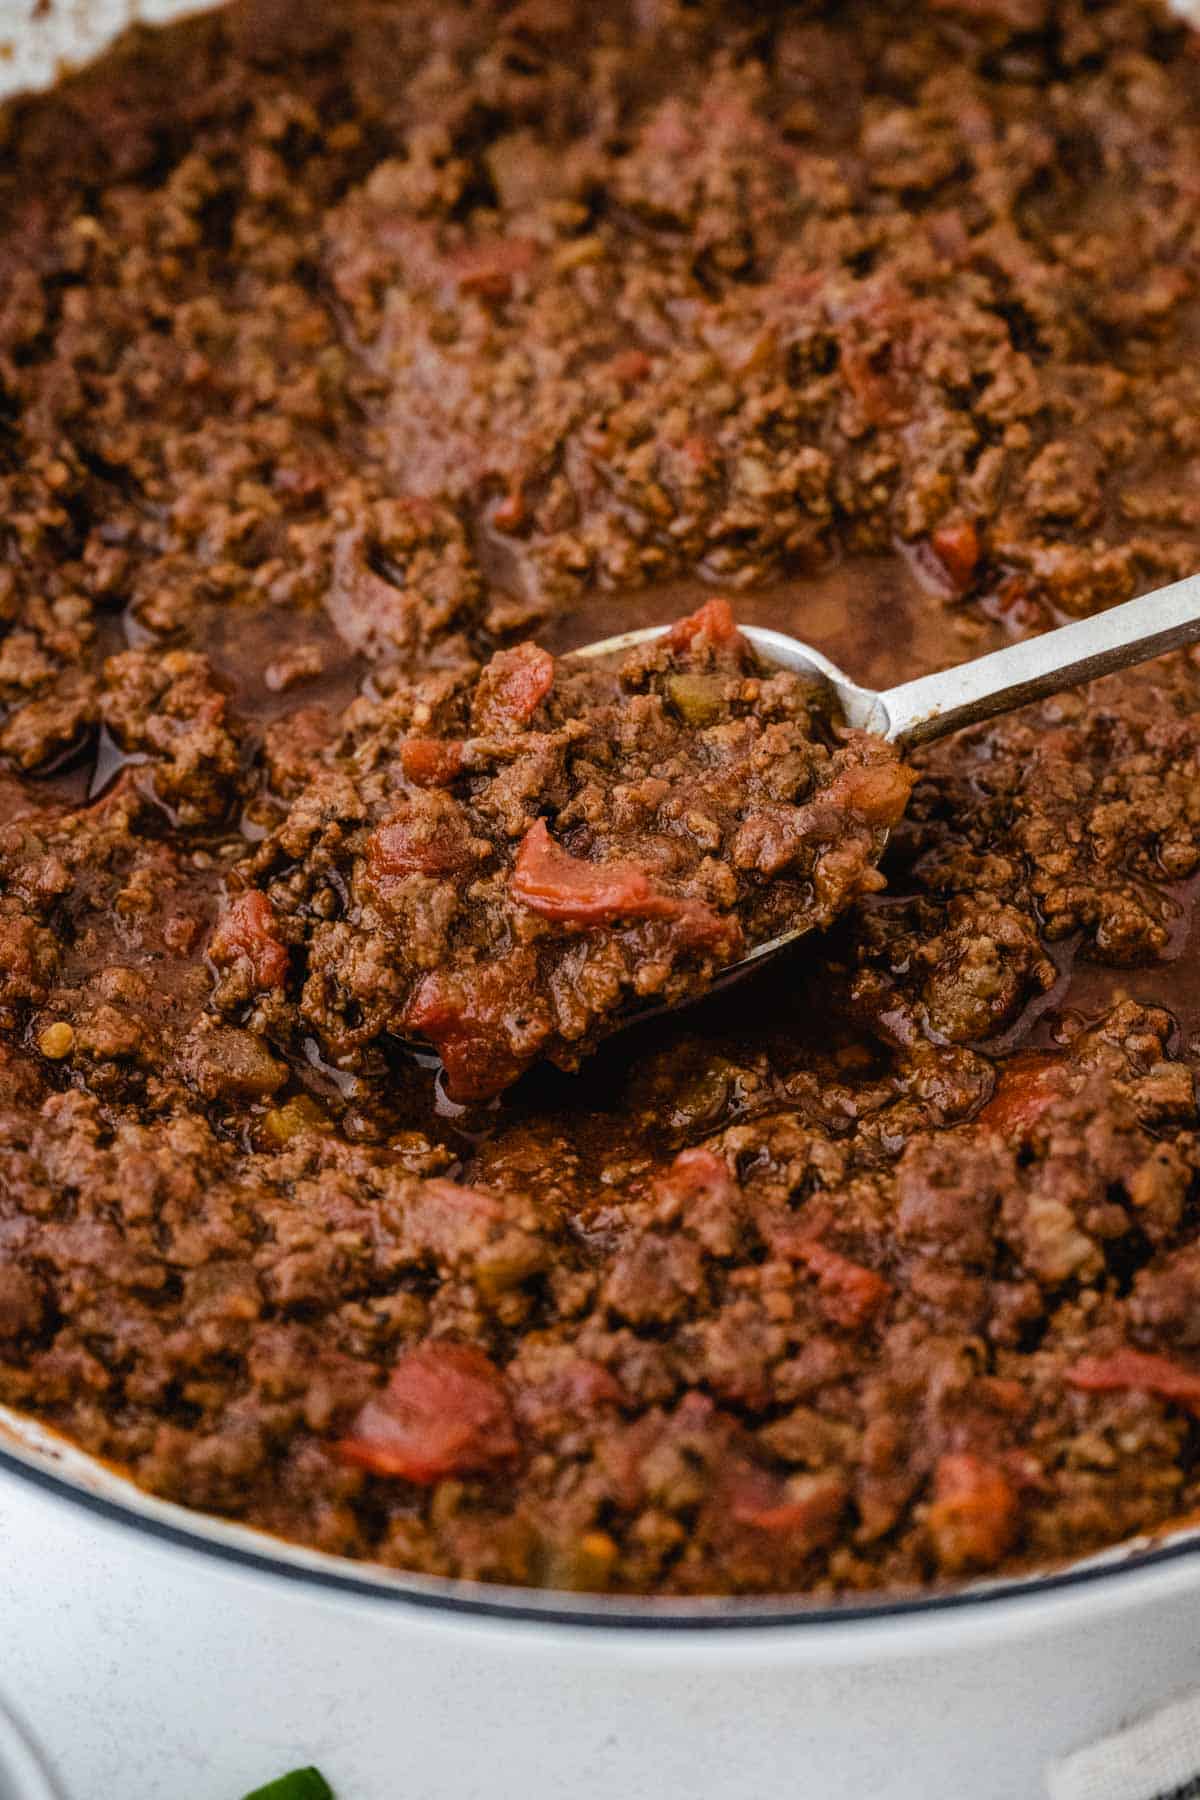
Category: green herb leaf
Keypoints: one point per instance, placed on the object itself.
(301, 1784)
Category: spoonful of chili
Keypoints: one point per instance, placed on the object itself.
(933, 706)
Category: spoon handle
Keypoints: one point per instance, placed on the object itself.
(930, 707)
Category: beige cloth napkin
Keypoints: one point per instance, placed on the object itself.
(1158, 1758)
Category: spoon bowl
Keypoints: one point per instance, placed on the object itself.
(860, 706)
(919, 711)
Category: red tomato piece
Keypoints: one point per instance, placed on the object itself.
(431, 762)
(956, 546)
(490, 268)
(444, 1411)
(1026, 1086)
(758, 1499)
(512, 687)
(875, 390)
(850, 1294)
(248, 929)
(511, 513)
(699, 453)
(431, 838)
(629, 367)
(975, 1513)
(589, 1385)
(566, 888)
(1137, 1369)
(714, 620)
(697, 1175)
(467, 1025)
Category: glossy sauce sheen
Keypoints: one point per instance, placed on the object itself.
(345, 350)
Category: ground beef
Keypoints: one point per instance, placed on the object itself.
(357, 362)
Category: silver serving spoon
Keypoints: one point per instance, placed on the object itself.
(918, 711)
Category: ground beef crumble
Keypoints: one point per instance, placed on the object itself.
(348, 356)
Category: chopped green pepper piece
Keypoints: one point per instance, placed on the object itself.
(300, 1113)
(698, 699)
(301, 1784)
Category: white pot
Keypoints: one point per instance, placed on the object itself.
(23, 1771)
(160, 1655)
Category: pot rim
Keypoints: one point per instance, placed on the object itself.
(42, 1460)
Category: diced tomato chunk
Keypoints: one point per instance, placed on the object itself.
(956, 545)
(590, 1386)
(875, 390)
(427, 839)
(444, 1411)
(552, 882)
(975, 1513)
(512, 512)
(714, 620)
(248, 929)
(850, 1295)
(431, 762)
(700, 453)
(466, 1024)
(1140, 1370)
(695, 1175)
(489, 269)
(809, 1511)
(512, 687)
(1026, 1086)
(629, 367)
(560, 886)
